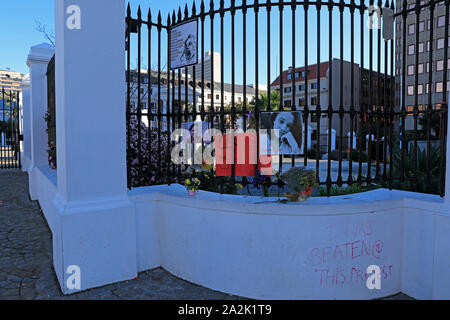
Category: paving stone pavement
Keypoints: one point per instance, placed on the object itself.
(26, 269)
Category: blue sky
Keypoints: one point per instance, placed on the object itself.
(18, 17)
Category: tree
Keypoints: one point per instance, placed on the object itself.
(48, 33)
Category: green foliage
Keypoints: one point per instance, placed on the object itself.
(356, 155)
(408, 169)
(435, 124)
(339, 191)
(311, 154)
(209, 182)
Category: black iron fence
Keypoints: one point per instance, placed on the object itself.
(358, 74)
(50, 116)
(9, 129)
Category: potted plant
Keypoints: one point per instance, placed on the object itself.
(192, 186)
(301, 181)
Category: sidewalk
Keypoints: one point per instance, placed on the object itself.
(26, 270)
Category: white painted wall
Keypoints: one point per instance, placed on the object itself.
(38, 59)
(271, 251)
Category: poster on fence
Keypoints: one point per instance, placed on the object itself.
(287, 129)
(183, 45)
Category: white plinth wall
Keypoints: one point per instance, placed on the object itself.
(319, 249)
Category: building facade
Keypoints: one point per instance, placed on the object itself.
(418, 94)
(343, 93)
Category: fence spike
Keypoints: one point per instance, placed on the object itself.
(139, 13)
(211, 5)
(179, 14)
(149, 16)
(202, 7)
(168, 19)
(129, 10)
(194, 9)
(174, 16)
(186, 12)
(159, 18)
(392, 5)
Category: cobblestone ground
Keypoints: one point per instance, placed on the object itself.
(26, 270)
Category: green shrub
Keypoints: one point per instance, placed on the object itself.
(356, 155)
(339, 191)
(420, 184)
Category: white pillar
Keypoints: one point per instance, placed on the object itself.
(98, 227)
(333, 139)
(350, 144)
(308, 141)
(26, 124)
(37, 61)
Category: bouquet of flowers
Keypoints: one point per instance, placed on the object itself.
(301, 181)
(192, 185)
(262, 182)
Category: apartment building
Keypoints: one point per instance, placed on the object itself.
(320, 95)
(10, 80)
(194, 92)
(424, 66)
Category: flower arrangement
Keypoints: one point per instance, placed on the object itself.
(301, 181)
(192, 185)
(152, 170)
(262, 182)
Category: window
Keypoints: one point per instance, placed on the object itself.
(422, 3)
(301, 102)
(289, 76)
(438, 86)
(297, 75)
(411, 28)
(217, 97)
(410, 49)
(428, 67)
(410, 70)
(420, 89)
(287, 89)
(420, 68)
(314, 85)
(209, 96)
(422, 26)
(428, 45)
(428, 24)
(313, 101)
(439, 65)
(287, 103)
(410, 90)
(301, 87)
(420, 47)
(440, 43)
(441, 21)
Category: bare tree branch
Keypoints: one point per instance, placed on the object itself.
(48, 34)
